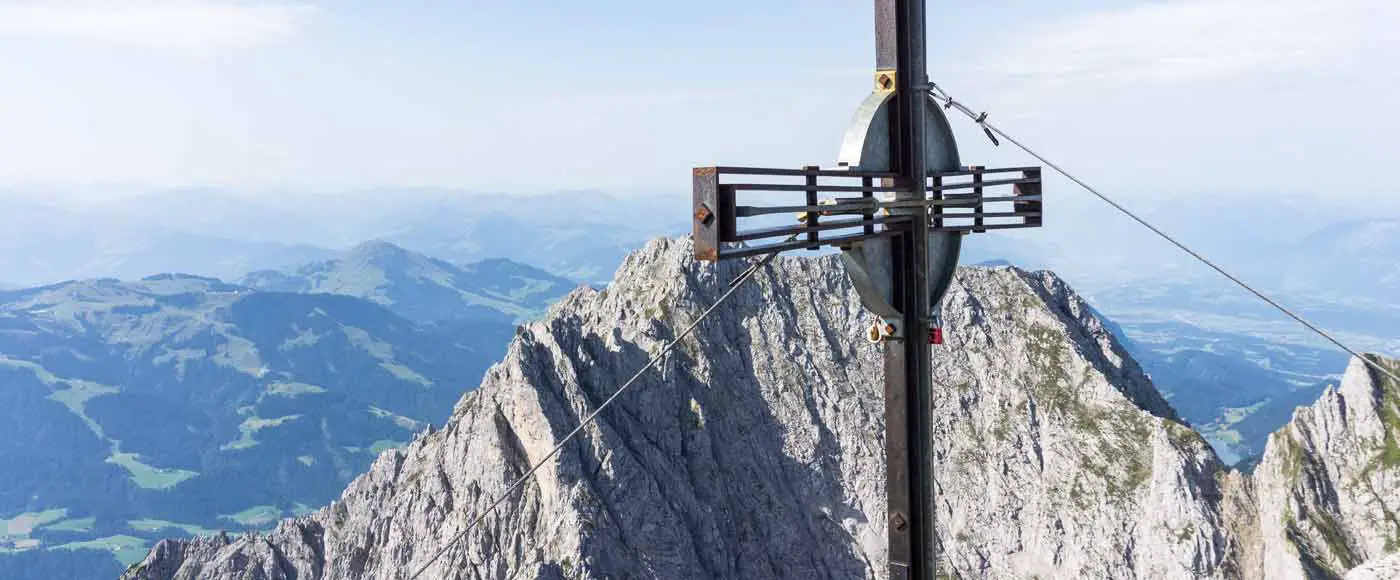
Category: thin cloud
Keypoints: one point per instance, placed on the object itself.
(1182, 41)
(188, 25)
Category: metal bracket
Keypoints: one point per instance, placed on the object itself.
(884, 330)
(867, 145)
(870, 265)
(884, 81)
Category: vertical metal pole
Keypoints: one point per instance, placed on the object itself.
(866, 194)
(977, 192)
(813, 217)
(938, 194)
(907, 386)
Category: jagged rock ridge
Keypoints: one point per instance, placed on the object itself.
(1329, 481)
(756, 451)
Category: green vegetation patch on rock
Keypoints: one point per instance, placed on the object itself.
(1121, 430)
(1389, 409)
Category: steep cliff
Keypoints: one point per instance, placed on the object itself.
(1329, 481)
(756, 450)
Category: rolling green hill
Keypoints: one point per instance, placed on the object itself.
(180, 405)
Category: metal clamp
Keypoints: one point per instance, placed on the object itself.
(885, 329)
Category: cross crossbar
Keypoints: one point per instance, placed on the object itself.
(957, 201)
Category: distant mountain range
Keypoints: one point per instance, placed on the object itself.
(1347, 258)
(580, 235)
(178, 404)
(43, 243)
(1303, 245)
(421, 288)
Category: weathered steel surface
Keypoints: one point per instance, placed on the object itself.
(885, 35)
(707, 213)
(870, 267)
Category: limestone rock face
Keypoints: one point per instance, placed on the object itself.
(1329, 481)
(756, 450)
(1057, 457)
(1384, 568)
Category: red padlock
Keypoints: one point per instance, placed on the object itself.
(935, 335)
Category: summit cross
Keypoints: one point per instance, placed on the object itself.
(909, 201)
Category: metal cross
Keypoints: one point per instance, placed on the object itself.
(899, 228)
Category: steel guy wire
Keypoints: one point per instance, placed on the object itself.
(990, 129)
(733, 286)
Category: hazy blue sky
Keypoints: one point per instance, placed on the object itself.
(1195, 96)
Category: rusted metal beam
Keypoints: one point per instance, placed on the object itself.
(712, 208)
(974, 184)
(885, 41)
(989, 214)
(949, 207)
(747, 252)
(984, 170)
(736, 170)
(971, 201)
(813, 218)
(811, 228)
(1029, 197)
(868, 197)
(812, 187)
(972, 228)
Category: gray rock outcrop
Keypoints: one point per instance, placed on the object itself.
(1329, 481)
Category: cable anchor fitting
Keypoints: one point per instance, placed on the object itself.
(982, 122)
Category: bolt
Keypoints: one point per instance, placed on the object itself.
(900, 524)
(704, 215)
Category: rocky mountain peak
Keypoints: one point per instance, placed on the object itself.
(419, 287)
(378, 251)
(756, 449)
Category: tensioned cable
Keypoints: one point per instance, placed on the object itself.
(733, 286)
(990, 129)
